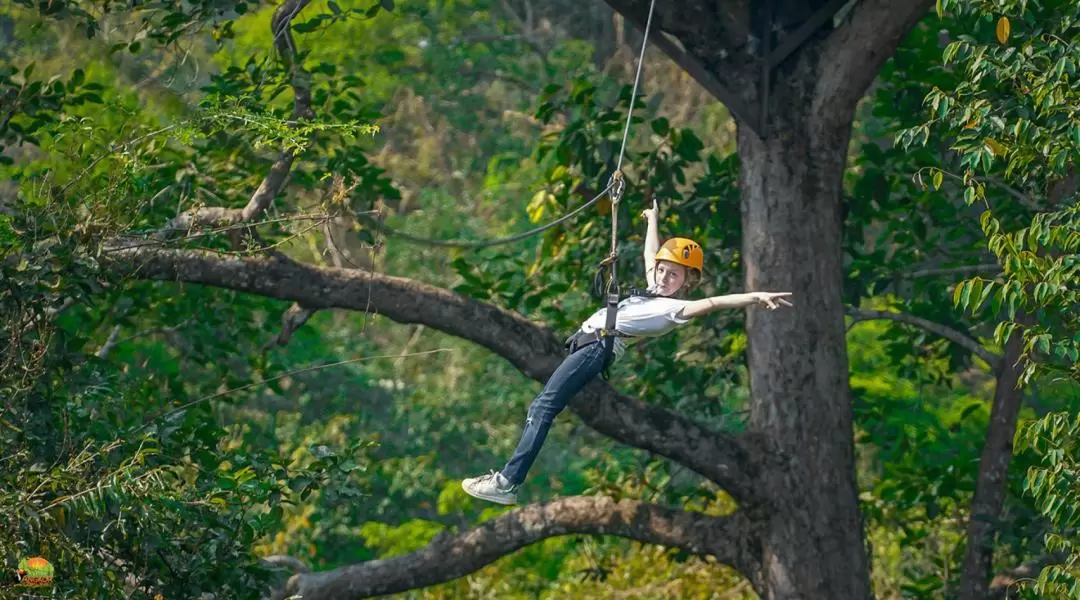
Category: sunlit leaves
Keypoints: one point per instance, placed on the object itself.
(1013, 120)
(1021, 122)
(1055, 486)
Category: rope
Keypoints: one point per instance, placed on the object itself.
(617, 184)
(637, 78)
(499, 241)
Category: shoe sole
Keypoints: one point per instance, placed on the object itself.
(495, 499)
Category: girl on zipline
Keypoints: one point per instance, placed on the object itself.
(672, 271)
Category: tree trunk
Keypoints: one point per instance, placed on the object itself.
(993, 476)
(791, 216)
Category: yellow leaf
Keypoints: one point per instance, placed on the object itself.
(1002, 30)
(996, 147)
(938, 178)
(535, 209)
(603, 206)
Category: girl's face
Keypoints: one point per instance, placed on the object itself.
(669, 277)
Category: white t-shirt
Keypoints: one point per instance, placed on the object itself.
(640, 316)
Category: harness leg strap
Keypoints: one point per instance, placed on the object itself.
(609, 332)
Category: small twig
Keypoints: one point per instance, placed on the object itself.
(114, 341)
(292, 319)
(290, 562)
(957, 337)
(960, 270)
(408, 346)
(110, 342)
(187, 405)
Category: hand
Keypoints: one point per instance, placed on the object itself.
(771, 300)
(651, 213)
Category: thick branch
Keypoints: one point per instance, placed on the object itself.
(854, 53)
(954, 336)
(730, 462)
(702, 65)
(449, 557)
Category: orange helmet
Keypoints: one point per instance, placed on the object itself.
(683, 252)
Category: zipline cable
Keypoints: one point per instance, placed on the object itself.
(616, 183)
(499, 241)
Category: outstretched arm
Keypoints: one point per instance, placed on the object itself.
(770, 300)
(652, 243)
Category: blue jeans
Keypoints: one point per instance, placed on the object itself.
(575, 372)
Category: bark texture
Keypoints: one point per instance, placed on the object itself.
(792, 221)
(992, 483)
(798, 361)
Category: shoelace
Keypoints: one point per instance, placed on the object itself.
(492, 477)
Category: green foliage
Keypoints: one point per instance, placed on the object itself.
(1012, 121)
(193, 444)
(1055, 485)
(124, 473)
(1013, 124)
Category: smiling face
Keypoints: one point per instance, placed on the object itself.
(669, 277)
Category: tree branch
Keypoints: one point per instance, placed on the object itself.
(1003, 582)
(274, 181)
(957, 337)
(854, 52)
(730, 539)
(731, 462)
(285, 561)
(992, 481)
(958, 270)
(292, 319)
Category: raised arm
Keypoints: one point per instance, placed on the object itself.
(771, 300)
(652, 243)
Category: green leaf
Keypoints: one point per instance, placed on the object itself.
(965, 294)
(1043, 344)
(958, 290)
(938, 178)
(660, 126)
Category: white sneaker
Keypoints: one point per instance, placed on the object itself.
(492, 487)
